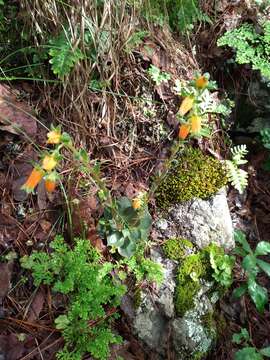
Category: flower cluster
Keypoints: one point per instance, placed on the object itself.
(47, 169)
(190, 113)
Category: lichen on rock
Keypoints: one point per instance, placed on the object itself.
(193, 175)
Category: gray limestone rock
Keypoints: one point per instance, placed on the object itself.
(200, 221)
(151, 321)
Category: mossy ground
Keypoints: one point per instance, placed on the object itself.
(193, 175)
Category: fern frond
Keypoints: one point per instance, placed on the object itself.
(238, 154)
(63, 56)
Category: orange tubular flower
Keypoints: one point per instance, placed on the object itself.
(50, 185)
(186, 105)
(33, 179)
(201, 82)
(196, 124)
(54, 137)
(49, 162)
(183, 131)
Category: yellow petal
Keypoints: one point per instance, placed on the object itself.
(186, 105)
(196, 124)
(49, 163)
(54, 137)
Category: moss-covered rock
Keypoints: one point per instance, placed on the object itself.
(193, 175)
(177, 249)
(190, 271)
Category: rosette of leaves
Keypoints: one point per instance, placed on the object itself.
(124, 227)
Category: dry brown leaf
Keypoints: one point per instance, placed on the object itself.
(5, 277)
(36, 306)
(15, 116)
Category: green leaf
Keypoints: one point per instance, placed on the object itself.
(258, 294)
(240, 237)
(63, 56)
(265, 351)
(124, 203)
(61, 322)
(146, 221)
(243, 335)
(249, 262)
(240, 291)
(248, 353)
(264, 266)
(239, 251)
(127, 249)
(115, 239)
(263, 248)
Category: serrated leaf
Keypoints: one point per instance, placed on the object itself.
(264, 266)
(263, 248)
(265, 351)
(258, 294)
(240, 291)
(63, 56)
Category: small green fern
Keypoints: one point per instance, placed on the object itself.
(251, 46)
(63, 55)
(237, 177)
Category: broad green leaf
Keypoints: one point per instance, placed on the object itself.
(240, 237)
(128, 249)
(146, 221)
(258, 294)
(265, 351)
(124, 203)
(248, 353)
(240, 291)
(264, 266)
(115, 239)
(249, 262)
(263, 248)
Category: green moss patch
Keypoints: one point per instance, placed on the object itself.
(176, 249)
(193, 175)
(191, 270)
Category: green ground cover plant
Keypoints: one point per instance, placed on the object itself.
(248, 352)
(80, 273)
(251, 46)
(252, 266)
